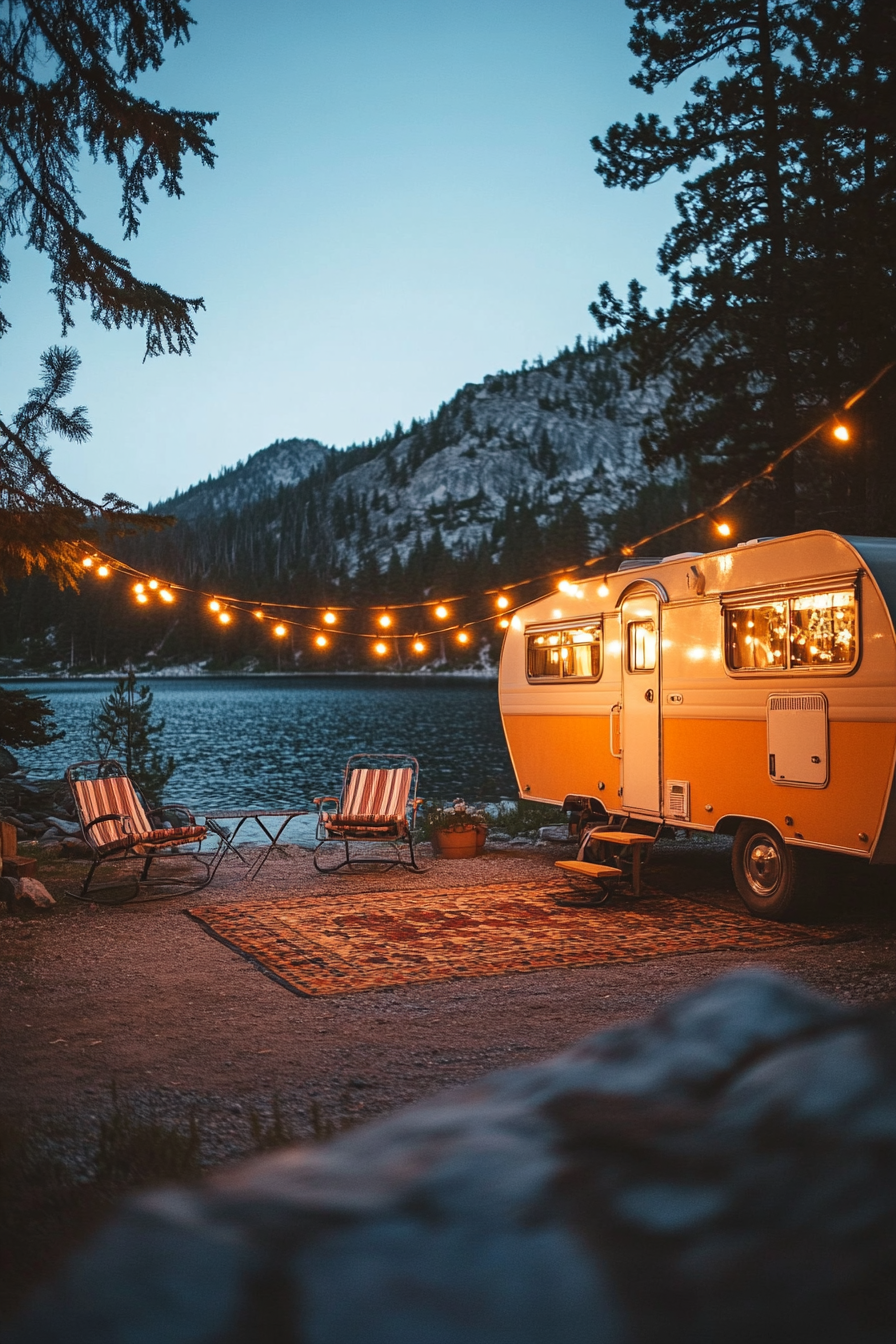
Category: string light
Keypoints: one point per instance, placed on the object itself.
(279, 631)
(141, 598)
(153, 584)
(463, 637)
(330, 617)
(602, 589)
(503, 602)
(723, 528)
(103, 572)
(138, 588)
(87, 562)
(418, 646)
(214, 605)
(259, 615)
(504, 623)
(225, 617)
(165, 595)
(321, 641)
(441, 612)
(841, 433)
(380, 648)
(385, 621)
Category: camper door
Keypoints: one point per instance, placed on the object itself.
(641, 704)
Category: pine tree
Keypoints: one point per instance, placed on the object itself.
(123, 728)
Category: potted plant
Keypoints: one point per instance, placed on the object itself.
(457, 832)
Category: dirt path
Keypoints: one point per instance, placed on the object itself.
(141, 996)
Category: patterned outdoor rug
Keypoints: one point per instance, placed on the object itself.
(342, 944)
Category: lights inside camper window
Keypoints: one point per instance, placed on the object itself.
(552, 654)
(641, 641)
(280, 631)
(815, 630)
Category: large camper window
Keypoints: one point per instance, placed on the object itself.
(815, 630)
(552, 654)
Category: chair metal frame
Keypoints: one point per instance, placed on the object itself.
(134, 842)
(405, 825)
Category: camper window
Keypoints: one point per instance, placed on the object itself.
(565, 653)
(641, 646)
(815, 630)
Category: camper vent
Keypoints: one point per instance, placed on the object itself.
(797, 702)
(678, 799)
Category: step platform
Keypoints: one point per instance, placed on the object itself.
(595, 870)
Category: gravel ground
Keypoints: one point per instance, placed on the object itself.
(142, 997)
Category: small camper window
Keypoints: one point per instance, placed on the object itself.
(641, 646)
(815, 630)
(552, 654)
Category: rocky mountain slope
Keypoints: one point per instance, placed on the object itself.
(546, 438)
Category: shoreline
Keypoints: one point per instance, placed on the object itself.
(419, 674)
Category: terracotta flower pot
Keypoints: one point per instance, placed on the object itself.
(460, 842)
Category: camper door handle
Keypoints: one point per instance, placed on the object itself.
(648, 696)
(616, 709)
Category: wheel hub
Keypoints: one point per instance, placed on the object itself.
(763, 867)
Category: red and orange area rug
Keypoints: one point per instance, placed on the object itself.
(343, 944)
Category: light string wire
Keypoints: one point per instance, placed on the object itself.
(270, 611)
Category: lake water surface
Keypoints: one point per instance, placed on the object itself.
(242, 742)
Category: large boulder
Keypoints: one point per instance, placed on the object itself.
(25, 893)
(721, 1171)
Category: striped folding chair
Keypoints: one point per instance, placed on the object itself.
(378, 805)
(118, 825)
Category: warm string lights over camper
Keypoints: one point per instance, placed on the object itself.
(387, 617)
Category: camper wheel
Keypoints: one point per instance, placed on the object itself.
(765, 871)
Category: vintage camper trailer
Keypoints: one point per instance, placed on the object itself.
(750, 691)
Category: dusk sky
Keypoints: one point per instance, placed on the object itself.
(404, 201)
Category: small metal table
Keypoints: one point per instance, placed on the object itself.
(227, 840)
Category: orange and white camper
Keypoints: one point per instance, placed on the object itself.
(749, 691)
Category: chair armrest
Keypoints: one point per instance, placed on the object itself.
(417, 802)
(178, 808)
(318, 802)
(107, 816)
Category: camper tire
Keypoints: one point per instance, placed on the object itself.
(765, 871)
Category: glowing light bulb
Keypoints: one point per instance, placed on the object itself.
(385, 621)
(153, 584)
(564, 586)
(503, 602)
(87, 562)
(259, 615)
(214, 605)
(602, 589)
(321, 641)
(723, 529)
(441, 612)
(104, 571)
(418, 646)
(504, 623)
(141, 598)
(225, 617)
(463, 637)
(279, 631)
(841, 434)
(166, 596)
(330, 617)
(138, 587)
(380, 648)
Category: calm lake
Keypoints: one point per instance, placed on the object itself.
(241, 742)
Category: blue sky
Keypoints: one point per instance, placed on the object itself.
(404, 201)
